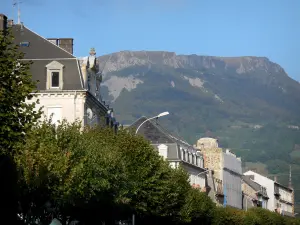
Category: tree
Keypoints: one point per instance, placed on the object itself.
(198, 208)
(70, 173)
(16, 117)
(16, 86)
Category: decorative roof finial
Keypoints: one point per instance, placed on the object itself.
(92, 52)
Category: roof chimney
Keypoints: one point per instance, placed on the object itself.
(3, 22)
(64, 43)
(275, 178)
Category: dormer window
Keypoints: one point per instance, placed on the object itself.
(54, 75)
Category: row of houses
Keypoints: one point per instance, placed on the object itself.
(218, 172)
(69, 88)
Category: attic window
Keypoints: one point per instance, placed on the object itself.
(55, 73)
(24, 44)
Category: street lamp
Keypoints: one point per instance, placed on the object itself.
(204, 172)
(155, 117)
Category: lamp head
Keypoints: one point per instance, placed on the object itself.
(162, 114)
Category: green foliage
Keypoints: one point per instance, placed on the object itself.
(262, 216)
(94, 175)
(78, 173)
(198, 208)
(16, 86)
(224, 216)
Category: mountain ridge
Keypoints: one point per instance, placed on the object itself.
(249, 103)
(171, 57)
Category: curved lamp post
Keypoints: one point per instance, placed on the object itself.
(155, 117)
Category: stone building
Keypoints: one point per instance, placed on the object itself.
(68, 87)
(174, 149)
(226, 173)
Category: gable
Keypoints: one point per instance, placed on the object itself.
(54, 65)
(38, 47)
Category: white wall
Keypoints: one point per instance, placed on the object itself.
(269, 184)
(163, 150)
(194, 177)
(64, 104)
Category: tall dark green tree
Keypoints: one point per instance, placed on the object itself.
(16, 117)
(16, 86)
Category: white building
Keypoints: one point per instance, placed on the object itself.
(281, 198)
(69, 87)
(268, 184)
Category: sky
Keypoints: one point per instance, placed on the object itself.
(269, 28)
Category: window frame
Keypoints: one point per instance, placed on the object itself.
(53, 67)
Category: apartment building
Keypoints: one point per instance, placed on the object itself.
(281, 198)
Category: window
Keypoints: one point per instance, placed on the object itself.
(24, 44)
(55, 79)
(55, 113)
(54, 75)
(163, 151)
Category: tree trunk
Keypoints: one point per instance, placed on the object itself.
(8, 190)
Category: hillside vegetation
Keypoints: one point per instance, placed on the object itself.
(249, 103)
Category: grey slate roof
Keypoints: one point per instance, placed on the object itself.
(257, 187)
(284, 187)
(151, 131)
(39, 48)
(42, 52)
(157, 135)
(173, 153)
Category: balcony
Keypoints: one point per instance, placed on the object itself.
(276, 191)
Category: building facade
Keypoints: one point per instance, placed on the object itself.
(227, 172)
(267, 183)
(175, 150)
(281, 198)
(254, 195)
(284, 199)
(68, 87)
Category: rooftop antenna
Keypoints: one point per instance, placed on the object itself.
(19, 12)
(17, 3)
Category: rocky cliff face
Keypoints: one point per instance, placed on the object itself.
(121, 60)
(197, 70)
